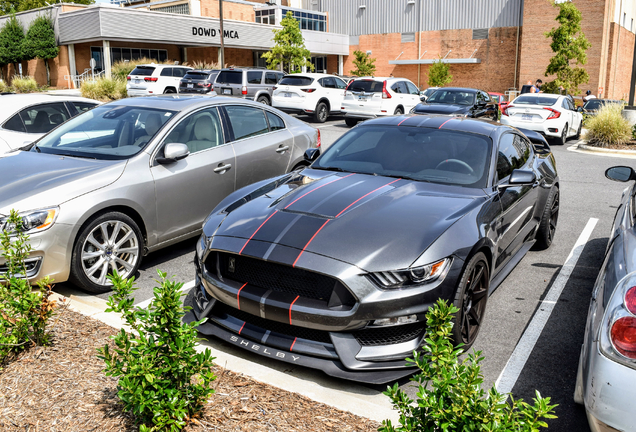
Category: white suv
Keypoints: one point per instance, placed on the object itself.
(372, 97)
(154, 79)
(310, 93)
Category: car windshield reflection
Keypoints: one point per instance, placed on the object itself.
(454, 97)
(421, 154)
(106, 132)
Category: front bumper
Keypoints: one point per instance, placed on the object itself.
(50, 254)
(335, 335)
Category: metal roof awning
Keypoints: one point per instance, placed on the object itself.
(431, 61)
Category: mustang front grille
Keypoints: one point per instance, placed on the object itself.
(389, 335)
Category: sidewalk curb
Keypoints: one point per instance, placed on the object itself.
(344, 395)
(599, 151)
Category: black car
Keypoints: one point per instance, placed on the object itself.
(592, 106)
(334, 267)
(198, 81)
(461, 102)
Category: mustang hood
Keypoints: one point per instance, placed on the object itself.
(30, 180)
(373, 222)
(440, 109)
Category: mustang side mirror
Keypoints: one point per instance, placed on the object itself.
(620, 173)
(173, 152)
(312, 154)
(520, 178)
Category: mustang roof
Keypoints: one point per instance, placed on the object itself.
(440, 121)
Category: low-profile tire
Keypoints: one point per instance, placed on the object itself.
(549, 219)
(263, 100)
(107, 242)
(169, 90)
(564, 136)
(321, 113)
(300, 166)
(351, 122)
(471, 298)
(398, 111)
(578, 132)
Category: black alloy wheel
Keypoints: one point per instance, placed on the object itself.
(351, 122)
(578, 132)
(471, 298)
(263, 99)
(547, 226)
(398, 111)
(321, 113)
(564, 135)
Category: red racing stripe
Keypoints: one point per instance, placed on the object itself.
(261, 226)
(242, 327)
(301, 252)
(374, 190)
(293, 343)
(445, 122)
(238, 300)
(290, 308)
(339, 178)
(403, 120)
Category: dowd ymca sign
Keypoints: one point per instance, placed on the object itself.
(203, 31)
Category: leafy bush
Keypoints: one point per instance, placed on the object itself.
(450, 397)
(634, 132)
(24, 311)
(25, 84)
(104, 89)
(365, 66)
(439, 74)
(609, 127)
(4, 87)
(163, 381)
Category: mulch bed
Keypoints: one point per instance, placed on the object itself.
(61, 387)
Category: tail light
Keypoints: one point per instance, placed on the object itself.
(148, 79)
(319, 141)
(623, 336)
(618, 328)
(128, 78)
(244, 90)
(385, 93)
(207, 85)
(274, 87)
(309, 90)
(504, 110)
(347, 87)
(555, 114)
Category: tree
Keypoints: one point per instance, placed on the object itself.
(364, 65)
(289, 49)
(569, 45)
(12, 6)
(40, 43)
(439, 74)
(12, 43)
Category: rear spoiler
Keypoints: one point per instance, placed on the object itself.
(539, 142)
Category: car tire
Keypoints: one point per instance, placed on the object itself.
(549, 219)
(471, 298)
(398, 111)
(321, 113)
(564, 135)
(169, 90)
(95, 256)
(578, 132)
(351, 122)
(495, 116)
(264, 100)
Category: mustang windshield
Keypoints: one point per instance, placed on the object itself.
(454, 97)
(105, 132)
(422, 154)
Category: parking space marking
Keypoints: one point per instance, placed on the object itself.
(522, 351)
(144, 304)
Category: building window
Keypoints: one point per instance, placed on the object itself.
(267, 16)
(309, 21)
(408, 37)
(126, 54)
(320, 64)
(182, 9)
(480, 33)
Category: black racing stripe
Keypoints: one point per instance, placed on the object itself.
(301, 232)
(258, 245)
(334, 207)
(283, 254)
(308, 202)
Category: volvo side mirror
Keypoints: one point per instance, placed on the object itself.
(173, 152)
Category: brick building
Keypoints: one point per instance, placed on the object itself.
(495, 45)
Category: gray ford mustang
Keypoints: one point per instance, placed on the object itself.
(334, 267)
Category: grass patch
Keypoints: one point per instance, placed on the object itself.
(608, 128)
(25, 84)
(104, 89)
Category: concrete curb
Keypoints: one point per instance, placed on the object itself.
(598, 151)
(344, 395)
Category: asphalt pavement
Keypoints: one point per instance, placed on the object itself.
(589, 200)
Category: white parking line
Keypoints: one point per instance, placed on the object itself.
(520, 355)
(144, 304)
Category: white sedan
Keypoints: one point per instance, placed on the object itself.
(553, 116)
(26, 117)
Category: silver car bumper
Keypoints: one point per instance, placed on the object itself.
(51, 254)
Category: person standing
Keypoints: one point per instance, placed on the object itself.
(588, 96)
(537, 86)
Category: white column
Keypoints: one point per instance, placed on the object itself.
(185, 56)
(340, 65)
(72, 67)
(218, 50)
(107, 63)
(304, 69)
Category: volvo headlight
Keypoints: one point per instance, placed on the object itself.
(33, 221)
(413, 275)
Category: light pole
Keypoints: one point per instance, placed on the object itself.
(222, 56)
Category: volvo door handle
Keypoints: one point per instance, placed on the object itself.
(222, 168)
(282, 149)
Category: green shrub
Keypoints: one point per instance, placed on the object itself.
(121, 69)
(163, 381)
(24, 311)
(104, 89)
(201, 65)
(25, 84)
(608, 127)
(450, 397)
(4, 87)
(634, 132)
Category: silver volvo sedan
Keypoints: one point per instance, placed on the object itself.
(136, 175)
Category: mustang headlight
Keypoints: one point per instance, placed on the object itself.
(33, 221)
(413, 275)
(202, 245)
